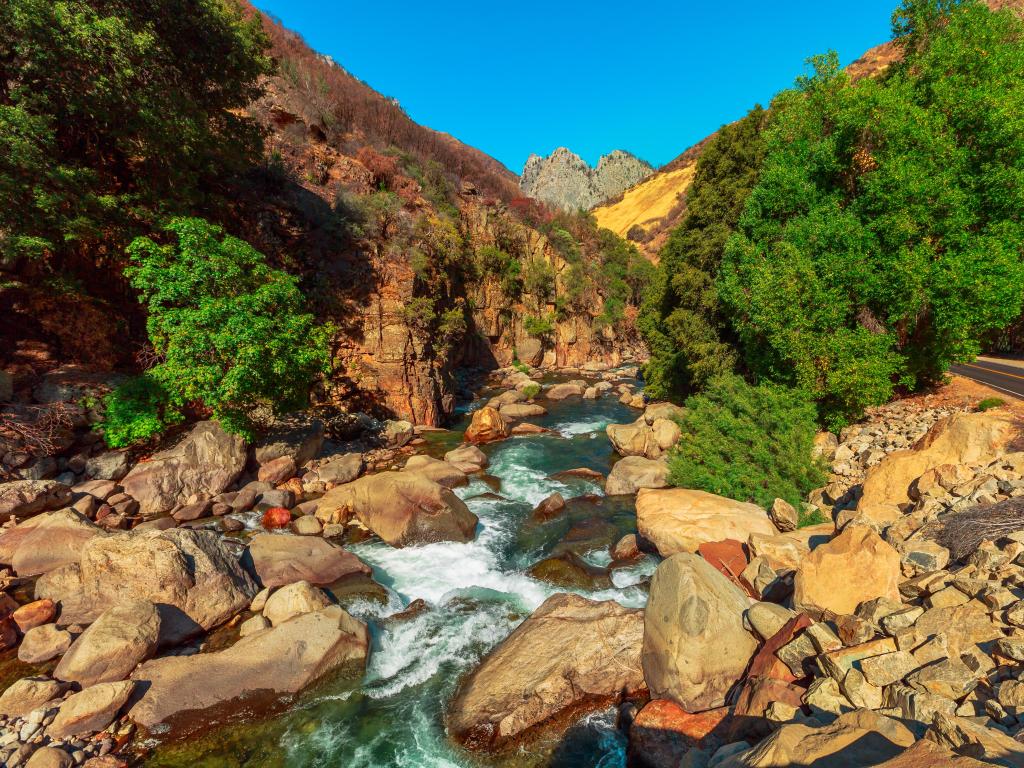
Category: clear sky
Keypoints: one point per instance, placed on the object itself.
(513, 78)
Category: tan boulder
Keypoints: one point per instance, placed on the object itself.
(964, 438)
(784, 514)
(111, 647)
(91, 710)
(562, 391)
(928, 754)
(665, 434)
(468, 458)
(402, 508)
(46, 542)
(22, 498)
(823, 581)
(635, 439)
(571, 653)
(441, 472)
(280, 559)
(294, 600)
(663, 411)
(486, 426)
(517, 411)
(695, 644)
(28, 693)
(40, 644)
(680, 520)
(631, 473)
(281, 660)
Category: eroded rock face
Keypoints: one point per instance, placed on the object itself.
(402, 508)
(571, 653)
(680, 520)
(281, 660)
(695, 645)
(194, 581)
(204, 464)
(280, 559)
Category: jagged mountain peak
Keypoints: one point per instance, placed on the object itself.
(565, 180)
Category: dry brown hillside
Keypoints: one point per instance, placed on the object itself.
(657, 204)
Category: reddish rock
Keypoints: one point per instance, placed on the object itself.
(294, 485)
(526, 428)
(34, 614)
(277, 470)
(729, 557)
(8, 634)
(550, 507)
(766, 664)
(627, 548)
(276, 517)
(749, 722)
(487, 426)
(663, 731)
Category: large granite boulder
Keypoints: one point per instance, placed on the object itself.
(298, 436)
(680, 519)
(46, 542)
(91, 710)
(280, 660)
(517, 411)
(122, 637)
(206, 462)
(28, 693)
(486, 426)
(279, 559)
(631, 473)
(340, 469)
(22, 498)
(294, 600)
(195, 582)
(562, 391)
(695, 645)
(441, 472)
(634, 439)
(964, 438)
(403, 508)
(571, 653)
(467, 458)
(824, 583)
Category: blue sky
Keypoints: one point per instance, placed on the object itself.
(512, 78)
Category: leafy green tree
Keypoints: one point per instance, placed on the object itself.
(682, 320)
(231, 333)
(114, 113)
(884, 238)
(747, 443)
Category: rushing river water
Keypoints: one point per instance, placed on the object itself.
(477, 593)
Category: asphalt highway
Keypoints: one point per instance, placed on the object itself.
(1005, 376)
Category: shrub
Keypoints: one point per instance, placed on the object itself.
(539, 326)
(539, 279)
(991, 402)
(452, 327)
(520, 366)
(229, 330)
(419, 314)
(808, 517)
(136, 411)
(750, 443)
(530, 391)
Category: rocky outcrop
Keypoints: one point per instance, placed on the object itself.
(695, 645)
(652, 435)
(206, 462)
(403, 508)
(572, 654)
(280, 559)
(565, 181)
(281, 660)
(191, 577)
(680, 520)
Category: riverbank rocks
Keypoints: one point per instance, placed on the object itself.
(518, 411)
(281, 660)
(570, 654)
(965, 438)
(562, 391)
(206, 462)
(90, 710)
(486, 426)
(46, 542)
(121, 638)
(397, 433)
(195, 582)
(695, 646)
(441, 472)
(294, 600)
(403, 508)
(279, 559)
(297, 436)
(631, 473)
(22, 498)
(467, 458)
(339, 470)
(824, 580)
(680, 520)
(29, 693)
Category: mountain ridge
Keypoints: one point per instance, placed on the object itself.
(563, 179)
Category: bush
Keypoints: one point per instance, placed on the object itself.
(419, 314)
(539, 327)
(539, 279)
(530, 391)
(136, 411)
(991, 402)
(750, 443)
(230, 331)
(520, 366)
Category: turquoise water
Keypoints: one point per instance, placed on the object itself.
(477, 593)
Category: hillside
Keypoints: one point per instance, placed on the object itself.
(564, 180)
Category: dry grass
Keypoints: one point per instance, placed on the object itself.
(647, 202)
(962, 532)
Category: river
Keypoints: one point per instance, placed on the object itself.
(477, 593)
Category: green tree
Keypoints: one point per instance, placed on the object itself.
(884, 238)
(231, 332)
(114, 113)
(682, 320)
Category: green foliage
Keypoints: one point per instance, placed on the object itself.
(530, 391)
(623, 277)
(520, 366)
(682, 320)
(452, 327)
(539, 279)
(136, 411)
(883, 240)
(748, 443)
(230, 331)
(539, 326)
(114, 113)
(808, 517)
(419, 315)
(991, 402)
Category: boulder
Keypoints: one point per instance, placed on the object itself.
(664, 435)
(784, 514)
(635, 439)
(121, 638)
(397, 433)
(281, 660)
(823, 582)
(43, 643)
(341, 469)
(276, 471)
(203, 464)
(518, 411)
(506, 398)
(486, 426)
(695, 644)
(195, 582)
(403, 508)
(29, 497)
(34, 614)
(680, 520)
(928, 754)
(307, 525)
(28, 693)
(964, 438)
(276, 517)
(440, 472)
(569, 654)
(297, 436)
(549, 507)
(662, 732)
(562, 391)
(109, 465)
(631, 473)
(666, 411)
(627, 548)
(467, 458)
(91, 710)
(50, 757)
(294, 600)
(46, 542)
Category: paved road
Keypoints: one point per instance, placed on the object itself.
(1006, 377)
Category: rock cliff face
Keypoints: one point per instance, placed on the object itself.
(564, 180)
